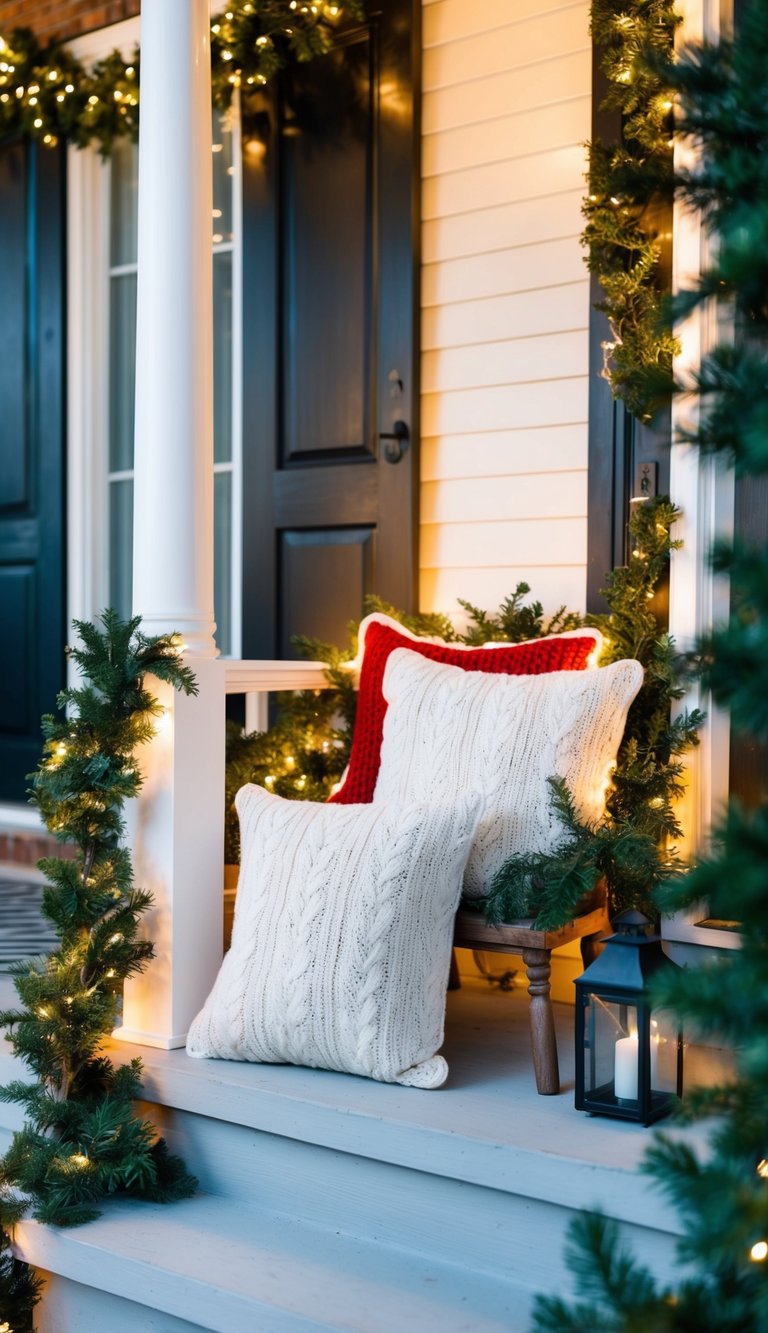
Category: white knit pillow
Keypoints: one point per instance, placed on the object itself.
(447, 729)
(342, 937)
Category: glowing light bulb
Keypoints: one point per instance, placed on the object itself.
(762, 1168)
(79, 1160)
(759, 1252)
(116, 938)
(69, 87)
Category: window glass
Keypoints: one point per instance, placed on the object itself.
(122, 369)
(222, 356)
(121, 546)
(222, 576)
(123, 196)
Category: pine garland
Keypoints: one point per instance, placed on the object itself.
(630, 847)
(722, 1193)
(629, 184)
(82, 1140)
(47, 94)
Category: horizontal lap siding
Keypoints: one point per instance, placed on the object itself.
(506, 111)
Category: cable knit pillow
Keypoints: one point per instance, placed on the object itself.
(379, 636)
(447, 730)
(342, 937)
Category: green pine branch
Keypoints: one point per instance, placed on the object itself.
(631, 849)
(82, 1139)
(630, 191)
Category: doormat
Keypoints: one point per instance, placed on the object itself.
(24, 931)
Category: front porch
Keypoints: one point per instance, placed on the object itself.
(333, 1202)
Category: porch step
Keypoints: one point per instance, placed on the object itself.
(452, 1204)
(236, 1270)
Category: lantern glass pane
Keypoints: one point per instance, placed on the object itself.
(610, 1051)
(664, 1046)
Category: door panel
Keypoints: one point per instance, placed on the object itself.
(32, 566)
(330, 279)
(312, 561)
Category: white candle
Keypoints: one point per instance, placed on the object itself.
(625, 1068)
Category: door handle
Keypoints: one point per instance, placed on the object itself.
(396, 441)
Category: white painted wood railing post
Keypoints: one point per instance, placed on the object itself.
(178, 821)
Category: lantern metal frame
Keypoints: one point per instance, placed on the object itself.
(620, 976)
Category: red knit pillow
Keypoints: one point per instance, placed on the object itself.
(379, 636)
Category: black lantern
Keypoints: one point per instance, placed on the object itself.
(629, 1056)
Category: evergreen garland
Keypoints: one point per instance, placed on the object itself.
(722, 1194)
(82, 1140)
(629, 186)
(629, 847)
(47, 94)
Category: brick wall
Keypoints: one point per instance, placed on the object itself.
(63, 18)
(22, 847)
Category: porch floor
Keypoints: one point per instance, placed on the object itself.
(464, 1192)
(486, 1125)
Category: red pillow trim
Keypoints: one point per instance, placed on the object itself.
(379, 637)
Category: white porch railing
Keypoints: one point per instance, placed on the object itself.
(256, 680)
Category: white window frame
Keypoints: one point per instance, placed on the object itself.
(88, 270)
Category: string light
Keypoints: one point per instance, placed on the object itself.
(759, 1252)
(237, 55)
(762, 1168)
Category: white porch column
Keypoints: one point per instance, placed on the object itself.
(173, 486)
(177, 823)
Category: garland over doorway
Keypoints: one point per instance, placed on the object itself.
(630, 188)
(46, 93)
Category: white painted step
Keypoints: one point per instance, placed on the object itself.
(237, 1270)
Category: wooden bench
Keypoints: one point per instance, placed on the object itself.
(519, 937)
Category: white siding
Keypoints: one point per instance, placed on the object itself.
(506, 111)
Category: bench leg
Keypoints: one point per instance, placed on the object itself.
(454, 980)
(538, 964)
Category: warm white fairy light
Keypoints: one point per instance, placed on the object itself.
(759, 1252)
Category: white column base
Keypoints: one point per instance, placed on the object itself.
(177, 839)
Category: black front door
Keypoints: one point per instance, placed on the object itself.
(32, 538)
(330, 310)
